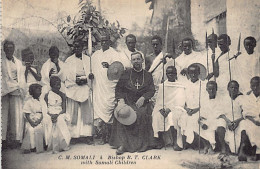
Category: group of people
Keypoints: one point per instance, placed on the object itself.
(134, 102)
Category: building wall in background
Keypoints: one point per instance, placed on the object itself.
(207, 16)
(179, 15)
(243, 17)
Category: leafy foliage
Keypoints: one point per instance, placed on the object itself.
(88, 18)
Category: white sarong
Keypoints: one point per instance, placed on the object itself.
(174, 99)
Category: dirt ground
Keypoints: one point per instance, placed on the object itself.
(102, 156)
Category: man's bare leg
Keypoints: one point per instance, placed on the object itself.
(221, 136)
(185, 144)
(255, 157)
(241, 154)
(174, 137)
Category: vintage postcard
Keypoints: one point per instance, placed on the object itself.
(130, 84)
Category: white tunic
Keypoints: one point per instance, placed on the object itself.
(158, 72)
(13, 92)
(224, 74)
(188, 123)
(237, 112)
(245, 67)
(33, 107)
(103, 89)
(46, 67)
(78, 103)
(211, 109)
(174, 99)
(55, 107)
(251, 106)
(184, 61)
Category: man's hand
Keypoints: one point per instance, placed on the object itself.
(184, 71)
(221, 116)
(203, 126)
(84, 81)
(78, 81)
(52, 71)
(234, 125)
(210, 75)
(105, 64)
(189, 111)
(164, 61)
(33, 124)
(38, 122)
(140, 102)
(229, 125)
(121, 101)
(54, 118)
(201, 119)
(195, 110)
(237, 54)
(27, 65)
(192, 111)
(91, 76)
(165, 112)
(213, 56)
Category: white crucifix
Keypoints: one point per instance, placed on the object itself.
(137, 85)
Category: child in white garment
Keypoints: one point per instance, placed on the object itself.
(34, 135)
(59, 138)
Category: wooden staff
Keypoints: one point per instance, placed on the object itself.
(173, 52)
(91, 83)
(166, 40)
(213, 53)
(232, 105)
(207, 48)
(199, 114)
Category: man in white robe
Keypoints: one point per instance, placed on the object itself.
(190, 119)
(251, 125)
(153, 60)
(247, 65)
(174, 101)
(211, 109)
(188, 57)
(221, 64)
(125, 54)
(103, 89)
(212, 51)
(53, 66)
(13, 93)
(233, 125)
(77, 89)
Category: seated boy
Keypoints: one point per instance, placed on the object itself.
(33, 139)
(251, 125)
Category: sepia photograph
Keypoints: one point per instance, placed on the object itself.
(130, 84)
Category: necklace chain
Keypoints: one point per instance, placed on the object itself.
(137, 85)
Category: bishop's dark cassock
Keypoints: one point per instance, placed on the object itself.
(131, 86)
